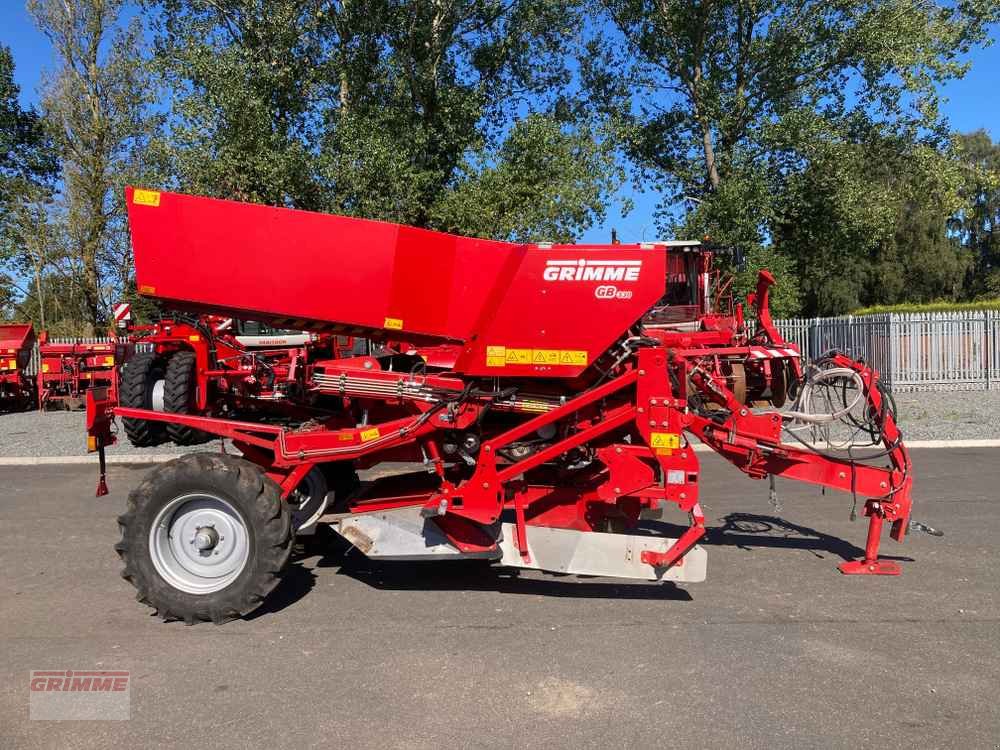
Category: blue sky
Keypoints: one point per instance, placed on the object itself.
(971, 103)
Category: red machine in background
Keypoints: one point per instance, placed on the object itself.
(217, 366)
(17, 387)
(68, 369)
(551, 392)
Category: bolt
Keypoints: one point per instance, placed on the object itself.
(618, 490)
(486, 485)
(642, 372)
(663, 423)
(652, 423)
(618, 450)
(683, 496)
(640, 410)
(652, 402)
(842, 475)
(882, 485)
(486, 448)
(684, 454)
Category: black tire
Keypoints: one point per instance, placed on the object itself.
(136, 392)
(265, 516)
(179, 397)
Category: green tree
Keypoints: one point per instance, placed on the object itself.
(27, 172)
(97, 104)
(738, 103)
(390, 109)
(866, 223)
(976, 224)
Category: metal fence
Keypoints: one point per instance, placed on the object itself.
(912, 351)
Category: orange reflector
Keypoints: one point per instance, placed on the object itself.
(91, 444)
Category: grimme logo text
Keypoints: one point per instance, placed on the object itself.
(592, 270)
(68, 681)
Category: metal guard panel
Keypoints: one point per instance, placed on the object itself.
(563, 308)
(309, 270)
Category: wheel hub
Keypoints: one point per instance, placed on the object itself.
(205, 538)
(199, 543)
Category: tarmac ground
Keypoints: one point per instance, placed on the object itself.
(776, 649)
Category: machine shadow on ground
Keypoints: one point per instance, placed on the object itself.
(745, 531)
(748, 531)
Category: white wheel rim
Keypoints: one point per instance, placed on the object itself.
(156, 396)
(199, 543)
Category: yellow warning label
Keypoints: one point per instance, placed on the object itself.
(395, 324)
(496, 356)
(45, 368)
(545, 357)
(519, 356)
(346, 436)
(501, 356)
(369, 434)
(572, 357)
(665, 440)
(147, 289)
(194, 337)
(146, 197)
(12, 364)
(108, 361)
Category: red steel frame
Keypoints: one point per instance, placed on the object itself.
(642, 399)
(228, 372)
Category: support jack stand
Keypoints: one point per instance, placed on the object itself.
(871, 565)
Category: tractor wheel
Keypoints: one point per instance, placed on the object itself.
(179, 397)
(205, 538)
(140, 387)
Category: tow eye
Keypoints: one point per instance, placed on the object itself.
(917, 526)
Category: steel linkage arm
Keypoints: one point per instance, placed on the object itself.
(752, 442)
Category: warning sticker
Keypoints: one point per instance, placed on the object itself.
(396, 324)
(146, 198)
(668, 440)
(519, 356)
(496, 356)
(369, 434)
(502, 356)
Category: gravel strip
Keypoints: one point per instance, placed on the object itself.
(956, 415)
(63, 433)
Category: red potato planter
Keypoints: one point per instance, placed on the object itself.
(17, 387)
(68, 369)
(552, 392)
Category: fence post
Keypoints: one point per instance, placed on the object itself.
(987, 349)
(893, 342)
